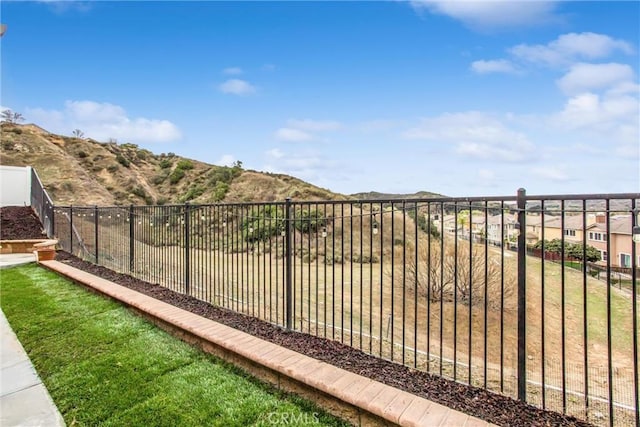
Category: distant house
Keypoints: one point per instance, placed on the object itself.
(620, 240)
(501, 228)
(572, 230)
(463, 226)
(534, 229)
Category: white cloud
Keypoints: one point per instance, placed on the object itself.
(298, 130)
(491, 14)
(552, 173)
(493, 66)
(611, 118)
(275, 153)
(232, 71)
(309, 165)
(486, 177)
(292, 135)
(571, 47)
(475, 134)
(61, 6)
(379, 125)
(314, 125)
(237, 87)
(584, 77)
(302, 162)
(225, 160)
(486, 174)
(102, 121)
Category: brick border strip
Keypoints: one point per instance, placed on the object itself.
(358, 399)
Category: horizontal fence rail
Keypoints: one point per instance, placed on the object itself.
(533, 297)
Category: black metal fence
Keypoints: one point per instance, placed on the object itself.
(41, 203)
(445, 285)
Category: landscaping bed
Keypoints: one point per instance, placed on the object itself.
(19, 223)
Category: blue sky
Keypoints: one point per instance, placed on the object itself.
(460, 98)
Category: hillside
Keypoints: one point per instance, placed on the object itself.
(85, 172)
(374, 195)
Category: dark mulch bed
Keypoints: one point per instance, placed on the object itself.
(489, 406)
(19, 222)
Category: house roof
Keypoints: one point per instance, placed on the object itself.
(571, 222)
(496, 219)
(534, 220)
(619, 225)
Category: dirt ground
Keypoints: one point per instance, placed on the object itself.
(19, 222)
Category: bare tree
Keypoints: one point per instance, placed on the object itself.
(77, 133)
(9, 116)
(442, 274)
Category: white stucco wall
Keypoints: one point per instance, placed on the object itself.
(15, 186)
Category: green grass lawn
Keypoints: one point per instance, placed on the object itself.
(105, 366)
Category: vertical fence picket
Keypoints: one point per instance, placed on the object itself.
(522, 293)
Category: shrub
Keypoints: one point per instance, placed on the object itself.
(122, 160)
(308, 221)
(424, 225)
(573, 250)
(309, 258)
(184, 164)
(82, 154)
(176, 176)
(365, 259)
(160, 178)
(192, 193)
(143, 154)
(112, 168)
(139, 191)
(262, 223)
(332, 259)
(220, 191)
(165, 163)
(220, 174)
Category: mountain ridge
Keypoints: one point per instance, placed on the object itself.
(83, 171)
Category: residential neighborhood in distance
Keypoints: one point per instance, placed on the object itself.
(573, 228)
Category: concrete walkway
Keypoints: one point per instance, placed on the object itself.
(24, 400)
(9, 260)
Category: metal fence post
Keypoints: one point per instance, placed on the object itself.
(53, 221)
(287, 256)
(132, 245)
(522, 292)
(95, 239)
(187, 260)
(71, 229)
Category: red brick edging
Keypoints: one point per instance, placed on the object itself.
(358, 399)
